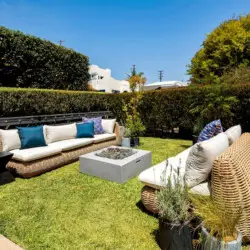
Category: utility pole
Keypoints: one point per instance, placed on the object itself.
(133, 67)
(61, 42)
(161, 74)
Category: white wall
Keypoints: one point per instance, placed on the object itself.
(104, 81)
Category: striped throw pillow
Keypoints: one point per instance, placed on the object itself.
(212, 129)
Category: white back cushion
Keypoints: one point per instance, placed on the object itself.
(200, 159)
(233, 133)
(108, 125)
(10, 139)
(60, 133)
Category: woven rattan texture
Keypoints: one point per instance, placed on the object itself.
(149, 199)
(1, 144)
(231, 181)
(36, 167)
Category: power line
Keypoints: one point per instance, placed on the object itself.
(161, 72)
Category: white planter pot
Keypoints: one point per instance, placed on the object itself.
(211, 243)
(126, 142)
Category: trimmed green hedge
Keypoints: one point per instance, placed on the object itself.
(30, 62)
(21, 102)
(165, 109)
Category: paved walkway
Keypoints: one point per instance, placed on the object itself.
(6, 244)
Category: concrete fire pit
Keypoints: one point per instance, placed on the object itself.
(118, 170)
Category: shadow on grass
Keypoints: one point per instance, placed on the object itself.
(155, 233)
(185, 146)
(140, 205)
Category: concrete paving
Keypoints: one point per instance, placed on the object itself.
(6, 244)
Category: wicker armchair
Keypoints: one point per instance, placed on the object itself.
(230, 183)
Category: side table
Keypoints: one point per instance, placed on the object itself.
(5, 174)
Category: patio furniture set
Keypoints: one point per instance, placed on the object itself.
(62, 147)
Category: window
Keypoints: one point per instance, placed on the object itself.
(102, 90)
(115, 91)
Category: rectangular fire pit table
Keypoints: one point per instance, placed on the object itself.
(118, 170)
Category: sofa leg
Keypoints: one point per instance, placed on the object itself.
(149, 199)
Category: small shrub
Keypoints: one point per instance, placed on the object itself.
(220, 222)
(173, 202)
(133, 120)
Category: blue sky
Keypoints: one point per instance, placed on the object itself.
(153, 34)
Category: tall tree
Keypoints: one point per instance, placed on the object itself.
(225, 49)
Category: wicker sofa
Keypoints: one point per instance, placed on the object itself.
(61, 155)
(230, 183)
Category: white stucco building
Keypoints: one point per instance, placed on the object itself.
(102, 80)
(164, 85)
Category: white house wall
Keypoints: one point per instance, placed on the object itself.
(103, 81)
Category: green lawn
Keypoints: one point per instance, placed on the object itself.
(64, 209)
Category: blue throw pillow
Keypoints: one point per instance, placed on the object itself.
(31, 137)
(212, 129)
(85, 130)
(97, 124)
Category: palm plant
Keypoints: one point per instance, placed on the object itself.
(136, 80)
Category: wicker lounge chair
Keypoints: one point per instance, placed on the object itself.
(230, 183)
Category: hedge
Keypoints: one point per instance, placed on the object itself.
(21, 102)
(160, 110)
(30, 62)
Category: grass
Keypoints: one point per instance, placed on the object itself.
(64, 209)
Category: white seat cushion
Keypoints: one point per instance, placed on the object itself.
(233, 133)
(158, 175)
(108, 125)
(10, 139)
(201, 157)
(71, 143)
(60, 133)
(201, 189)
(103, 137)
(32, 154)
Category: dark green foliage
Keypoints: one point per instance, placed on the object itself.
(165, 109)
(236, 76)
(21, 102)
(30, 62)
(168, 109)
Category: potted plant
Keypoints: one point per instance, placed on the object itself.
(126, 138)
(218, 227)
(174, 214)
(133, 119)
